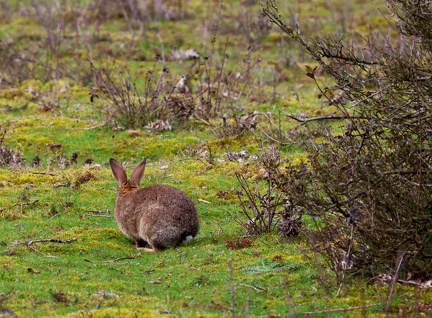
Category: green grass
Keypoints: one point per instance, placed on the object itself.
(101, 274)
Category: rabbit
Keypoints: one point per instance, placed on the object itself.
(159, 215)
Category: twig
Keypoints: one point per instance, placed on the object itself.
(329, 117)
(336, 310)
(7, 296)
(258, 289)
(376, 287)
(348, 60)
(98, 213)
(21, 204)
(46, 173)
(61, 185)
(92, 127)
(288, 299)
(203, 121)
(204, 201)
(231, 288)
(52, 217)
(344, 263)
(110, 261)
(372, 95)
(339, 204)
(271, 138)
(393, 283)
(247, 303)
(31, 242)
(119, 259)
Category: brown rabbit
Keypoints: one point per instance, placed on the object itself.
(159, 215)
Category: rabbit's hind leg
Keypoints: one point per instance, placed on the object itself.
(146, 249)
(140, 245)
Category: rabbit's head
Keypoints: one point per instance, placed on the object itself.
(127, 185)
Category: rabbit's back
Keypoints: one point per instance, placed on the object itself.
(161, 215)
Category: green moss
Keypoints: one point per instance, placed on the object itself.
(101, 274)
(123, 312)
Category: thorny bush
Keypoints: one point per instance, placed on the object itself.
(367, 183)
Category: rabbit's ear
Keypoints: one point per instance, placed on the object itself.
(138, 172)
(118, 171)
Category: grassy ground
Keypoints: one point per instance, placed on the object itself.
(61, 251)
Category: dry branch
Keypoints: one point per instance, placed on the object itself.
(110, 261)
(93, 127)
(99, 215)
(337, 310)
(307, 120)
(46, 173)
(258, 289)
(32, 248)
(7, 296)
(21, 204)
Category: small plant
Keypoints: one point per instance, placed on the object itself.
(236, 124)
(127, 106)
(270, 210)
(8, 157)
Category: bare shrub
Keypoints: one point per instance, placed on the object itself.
(8, 157)
(155, 106)
(367, 183)
(236, 124)
(265, 207)
(207, 91)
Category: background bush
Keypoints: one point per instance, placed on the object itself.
(367, 182)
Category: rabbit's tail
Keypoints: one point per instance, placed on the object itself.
(187, 239)
(166, 238)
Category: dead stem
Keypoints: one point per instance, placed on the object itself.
(110, 261)
(336, 310)
(45, 173)
(21, 204)
(31, 242)
(232, 292)
(258, 289)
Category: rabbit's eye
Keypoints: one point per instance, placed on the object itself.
(128, 186)
(133, 184)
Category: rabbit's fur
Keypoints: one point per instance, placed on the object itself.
(159, 215)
